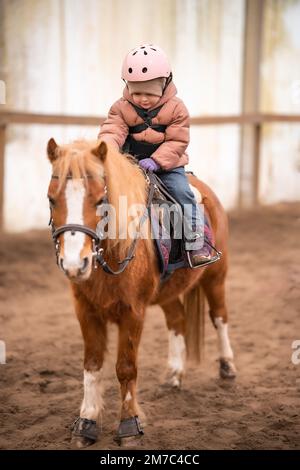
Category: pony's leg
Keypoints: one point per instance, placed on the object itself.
(130, 328)
(214, 288)
(93, 329)
(174, 314)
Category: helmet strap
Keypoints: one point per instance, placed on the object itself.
(168, 81)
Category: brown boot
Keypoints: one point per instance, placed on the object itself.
(200, 256)
(198, 259)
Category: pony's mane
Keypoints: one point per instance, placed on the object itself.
(124, 178)
(121, 174)
(77, 160)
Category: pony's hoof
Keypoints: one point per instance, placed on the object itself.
(81, 442)
(174, 379)
(227, 369)
(133, 441)
(130, 430)
(176, 382)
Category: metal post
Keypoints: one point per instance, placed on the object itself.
(250, 134)
(2, 153)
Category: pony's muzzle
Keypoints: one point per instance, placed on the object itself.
(75, 271)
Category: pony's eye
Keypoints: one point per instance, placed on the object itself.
(51, 201)
(99, 202)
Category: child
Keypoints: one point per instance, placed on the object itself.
(152, 124)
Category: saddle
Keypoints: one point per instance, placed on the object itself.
(166, 219)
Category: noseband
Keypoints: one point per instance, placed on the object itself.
(98, 251)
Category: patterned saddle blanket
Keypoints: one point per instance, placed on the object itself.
(167, 229)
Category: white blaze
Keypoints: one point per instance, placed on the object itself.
(92, 403)
(74, 243)
(177, 352)
(223, 338)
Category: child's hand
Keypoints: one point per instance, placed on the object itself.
(149, 164)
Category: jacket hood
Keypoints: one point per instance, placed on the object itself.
(169, 93)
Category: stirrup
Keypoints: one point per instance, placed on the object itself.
(211, 261)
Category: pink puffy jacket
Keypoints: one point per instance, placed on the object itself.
(171, 153)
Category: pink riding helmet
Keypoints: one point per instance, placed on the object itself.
(145, 62)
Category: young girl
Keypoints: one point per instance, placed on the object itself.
(152, 124)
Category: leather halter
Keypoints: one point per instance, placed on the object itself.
(98, 251)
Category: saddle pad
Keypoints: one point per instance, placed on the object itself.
(170, 252)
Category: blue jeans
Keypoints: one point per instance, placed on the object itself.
(178, 186)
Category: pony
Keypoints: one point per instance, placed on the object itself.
(85, 175)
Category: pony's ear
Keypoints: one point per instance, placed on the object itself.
(100, 151)
(52, 150)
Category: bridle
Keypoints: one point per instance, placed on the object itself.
(97, 249)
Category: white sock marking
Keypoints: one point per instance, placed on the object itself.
(177, 352)
(92, 403)
(223, 338)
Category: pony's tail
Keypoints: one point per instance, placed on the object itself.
(194, 309)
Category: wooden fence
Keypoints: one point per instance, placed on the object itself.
(253, 122)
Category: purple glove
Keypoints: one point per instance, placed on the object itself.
(149, 164)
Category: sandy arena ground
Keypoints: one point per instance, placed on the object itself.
(41, 383)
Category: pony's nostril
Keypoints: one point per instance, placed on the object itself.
(85, 263)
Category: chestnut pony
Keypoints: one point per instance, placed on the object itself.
(84, 176)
